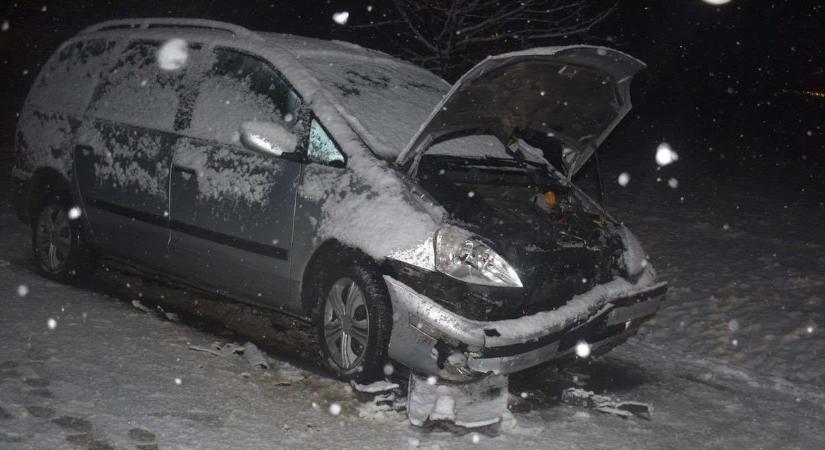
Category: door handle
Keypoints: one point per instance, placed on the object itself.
(84, 148)
(183, 169)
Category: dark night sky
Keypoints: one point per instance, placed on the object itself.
(720, 82)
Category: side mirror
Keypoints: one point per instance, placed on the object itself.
(267, 138)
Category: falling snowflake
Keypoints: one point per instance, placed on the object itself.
(341, 17)
(5, 26)
(471, 194)
(582, 349)
(673, 183)
(74, 213)
(624, 178)
(52, 324)
(22, 290)
(431, 380)
(388, 369)
(335, 409)
(733, 325)
(173, 54)
(665, 155)
(475, 438)
(716, 2)
(178, 381)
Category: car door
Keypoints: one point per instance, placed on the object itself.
(231, 208)
(123, 152)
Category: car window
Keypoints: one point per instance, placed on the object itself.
(321, 148)
(238, 87)
(145, 85)
(70, 78)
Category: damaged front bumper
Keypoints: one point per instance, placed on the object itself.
(433, 340)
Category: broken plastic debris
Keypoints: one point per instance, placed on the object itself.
(254, 356)
(377, 386)
(604, 404)
(249, 351)
(137, 304)
(470, 405)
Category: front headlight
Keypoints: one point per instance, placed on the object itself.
(463, 256)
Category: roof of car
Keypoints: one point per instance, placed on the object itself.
(297, 45)
(301, 45)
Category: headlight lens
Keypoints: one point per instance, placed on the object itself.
(463, 256)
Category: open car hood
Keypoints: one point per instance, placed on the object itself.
(577, 93)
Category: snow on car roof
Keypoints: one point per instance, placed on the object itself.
(304, 45)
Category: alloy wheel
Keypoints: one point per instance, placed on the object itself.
(53, 238)
(346, 323)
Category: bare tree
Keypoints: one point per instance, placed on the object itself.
(448, 35)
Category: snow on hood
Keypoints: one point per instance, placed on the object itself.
(576, 93)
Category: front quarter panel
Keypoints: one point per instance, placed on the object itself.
(366, 205)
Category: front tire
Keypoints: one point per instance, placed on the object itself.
(353, 316)
(58, 242)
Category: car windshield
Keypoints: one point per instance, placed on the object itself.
(388, 99)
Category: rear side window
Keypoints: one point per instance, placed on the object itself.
(70, 78)
(144, 87)
(238, 87)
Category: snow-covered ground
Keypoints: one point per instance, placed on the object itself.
(85, 368)
(746, 264)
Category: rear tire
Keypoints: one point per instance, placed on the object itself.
(58, 242)
(353, 318)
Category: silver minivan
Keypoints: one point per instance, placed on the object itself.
(406, 219)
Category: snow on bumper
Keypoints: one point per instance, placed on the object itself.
(433, 340)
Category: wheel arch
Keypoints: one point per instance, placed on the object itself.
(329, 254)
(45, 181)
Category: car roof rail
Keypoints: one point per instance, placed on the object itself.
(168, 22)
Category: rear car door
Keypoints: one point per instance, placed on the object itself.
(232, 209)
(123, 151)
(54, 108)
